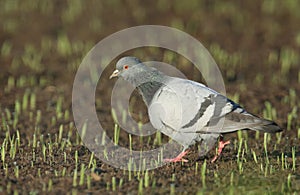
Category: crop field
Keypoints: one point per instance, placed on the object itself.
(255, 43)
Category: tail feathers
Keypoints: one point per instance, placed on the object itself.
(236, 121)
(267, 126)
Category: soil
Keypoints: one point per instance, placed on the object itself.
(253, 30)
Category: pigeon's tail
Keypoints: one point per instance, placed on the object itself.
(246, 120)
(243, 120)
(267, 126)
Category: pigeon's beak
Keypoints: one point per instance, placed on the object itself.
(114, 74)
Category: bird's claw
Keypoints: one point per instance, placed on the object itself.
(222, 144)
(178, 158)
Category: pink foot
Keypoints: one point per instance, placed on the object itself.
(222, 144)
(178, 158)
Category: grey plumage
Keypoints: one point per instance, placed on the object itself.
(185, 110)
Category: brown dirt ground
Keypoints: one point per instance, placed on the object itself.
(244, 29)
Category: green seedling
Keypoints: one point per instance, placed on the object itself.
(67, 115)
(75, 177)
(230, 61)
(8, 116)
(34, 141)
(59, 104)
(33, 155)
(76, 158)
(105, 154)
(38, 117)
(39, 172)
(50, 185)
(196, 168)
(113, 183)
(83, 130)
(91, 160)
(78, 139)
(269, 112)
(169, 56)
(157, 140)
(239, 149)
(63, 173)
(294, 158)
(116, 134)
(203, 173)
(283, 167)
(140, 189)
(103, 138)
(25, 100)
(146, 179)
(254, 156)
(43, 82)
(73, 10)
(129, 168)
(64, 46)
(21, 82)
(17, 108)
(278, 136)
(53, 121)
(16, 170)
(121, 183)
(231, 178)
(10, 83)
(265, 147)
(269, 6)
(288, 58)
(3, 151)
(173, 177)
(81, 179)
(289, 181)
(32, 58)
(172, 189)
(291, 116)
(292, 97)
(32, 101)
(6, 48)
(60, 132)
(114, 115)
(88, 182)
(107, 186)
(246, 145)
(240, 134)
(12, 151)
(240, 162)
(44, 152)
(130, 143)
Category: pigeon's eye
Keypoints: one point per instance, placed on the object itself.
(125, 67)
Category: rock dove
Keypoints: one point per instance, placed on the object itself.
(185, 110)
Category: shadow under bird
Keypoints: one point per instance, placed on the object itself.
(188, 111)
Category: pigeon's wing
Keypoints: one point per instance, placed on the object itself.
(188, 106)
(184, 106)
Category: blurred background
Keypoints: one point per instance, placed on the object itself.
(256, 44)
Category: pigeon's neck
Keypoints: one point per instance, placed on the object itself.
(149, 83)
(148, 89)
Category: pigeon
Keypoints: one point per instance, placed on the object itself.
(186, 111)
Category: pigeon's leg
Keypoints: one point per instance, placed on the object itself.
(178, 158)
(208, 141)
(222, 144)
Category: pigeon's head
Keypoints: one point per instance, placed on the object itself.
(126, 66)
